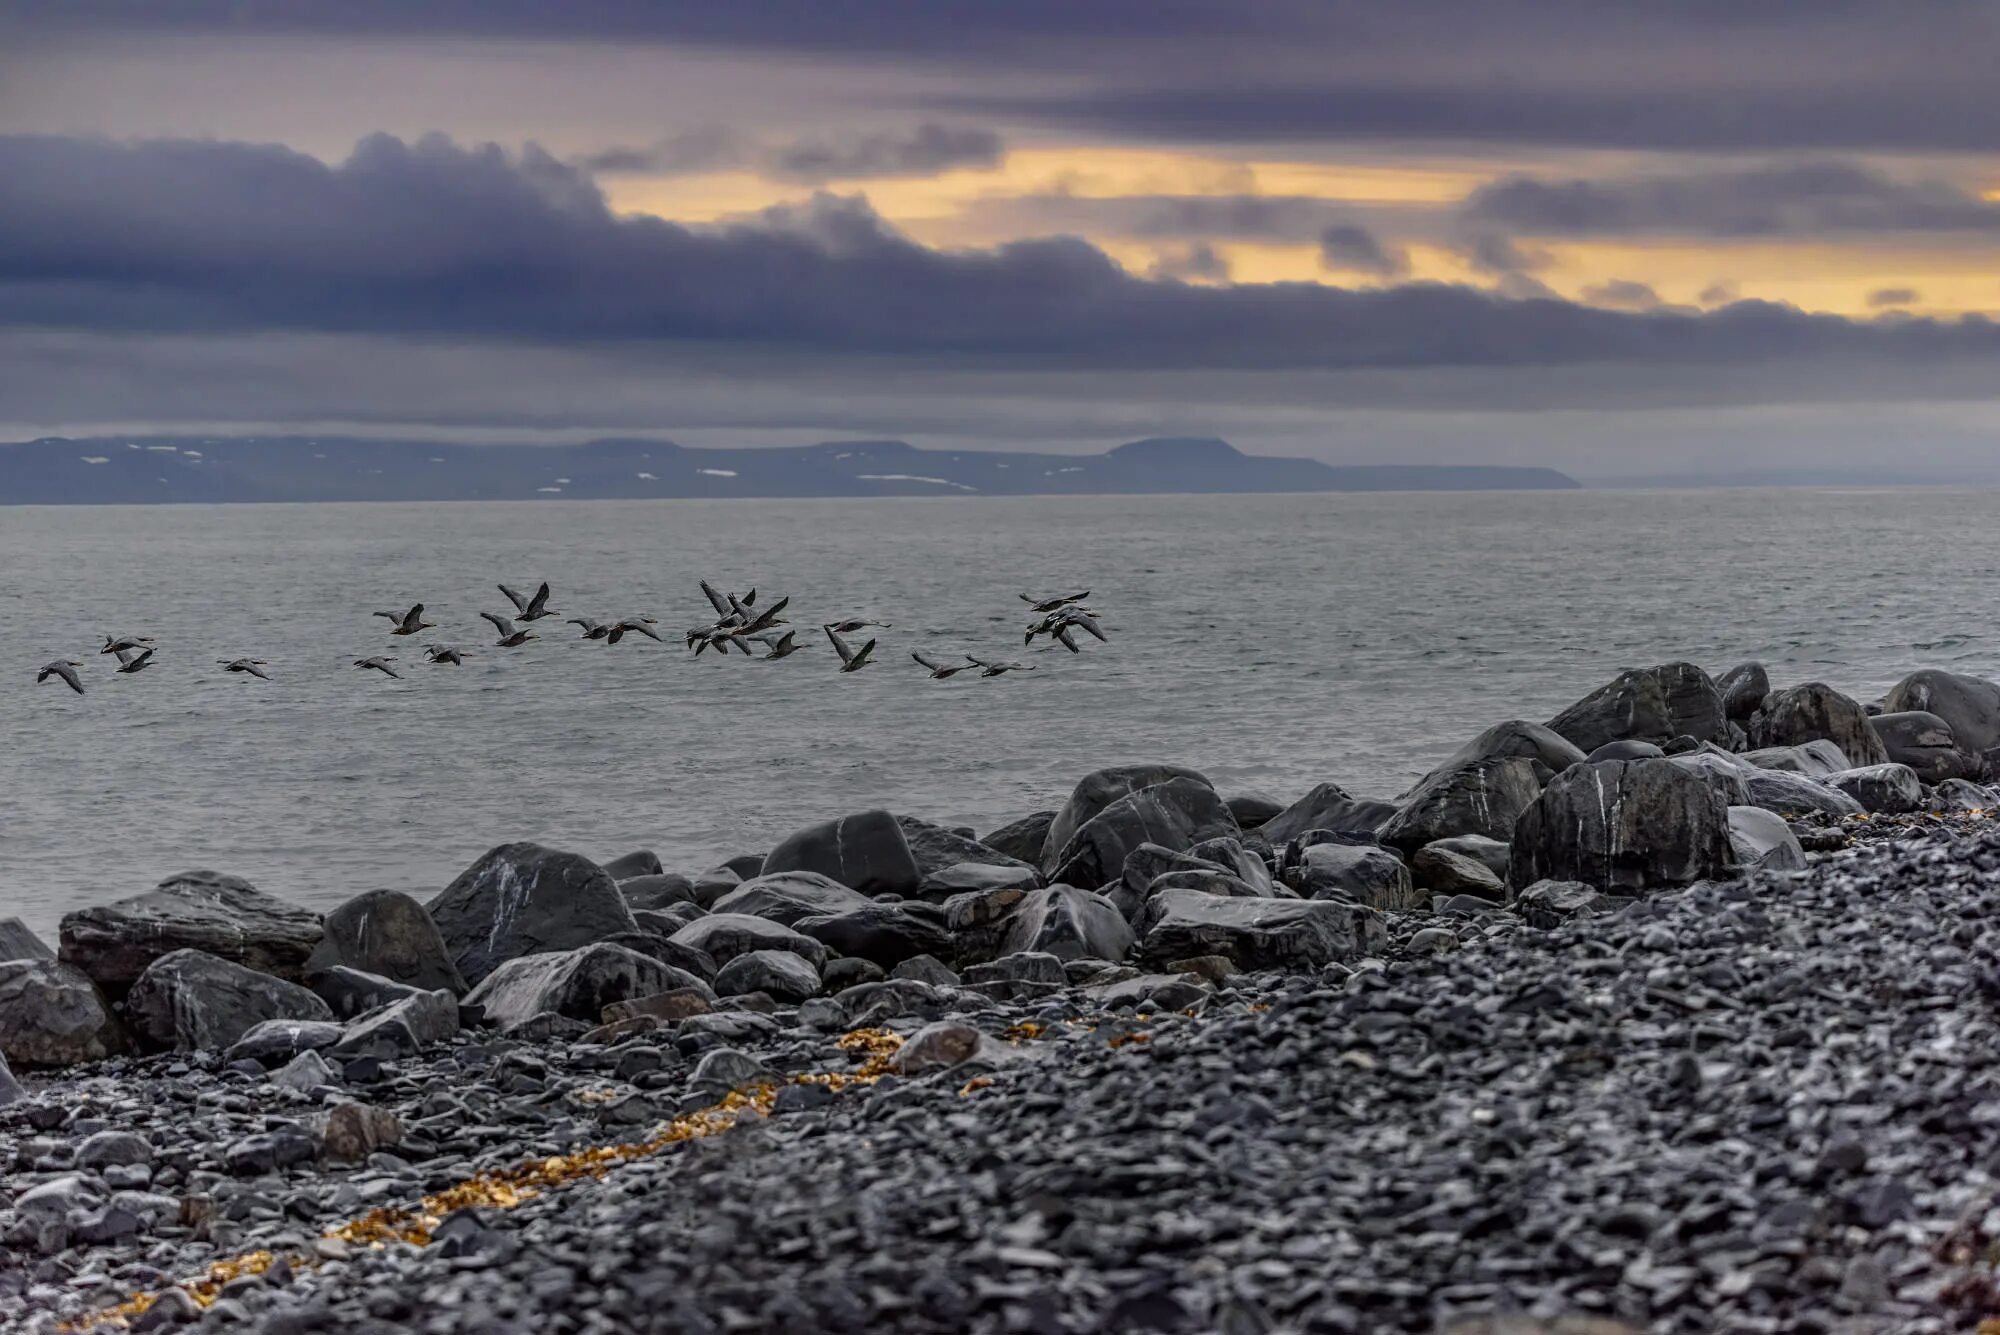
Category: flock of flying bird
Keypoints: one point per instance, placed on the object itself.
(739, 623)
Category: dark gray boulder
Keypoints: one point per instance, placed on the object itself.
(786, 897)
(934, 847)
(524, 899)
(1925, 743)
(1962, 795)
(225, 916)
(1634, 824)
(1229, 853)
(1356, 874)
(716, 882)
(1492, 852)
(1743, 689)
(1098, 790)
(350, 992)
(275, 1042)
(18, 943)
(11, 1090)
(577, 984)
(1653, 704)
(1815, 710)
(724, 936)
(1023, 839)
(1438, 870)
(1726, 775)
(667, 921)
(886, 934)
(1481, 797)
(191, 1001)
(643, 862)
(1058, 920)
(865, 852)
(1970, 707)
(400, 1029)
(960, 877)
(662, 947)
(1208, 880)
(1252, 809)
(1760, 840)
(1176, 815)
(1791, 794)
(1327, 807)
(778, 974)
(1148, 862)
(1891, 790)
(656, 891)
(1515, 737)
(1625, 750)
(1288, 934)
(1549, 904)
(388, 933)
(1814, 759)
(52, 1014)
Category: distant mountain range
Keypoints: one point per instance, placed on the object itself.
(129, 470)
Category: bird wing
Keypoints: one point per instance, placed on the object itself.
(414, 617)
(504, 625)
(540, 600)
(935, 667)
(392, 616)
(1062, 638)
(643, 629)
(839, 645)
(861, 654)
(68, 674)
(721, 604)
(143, 657)
(520, 603)
(1089, 623)
(256, 671)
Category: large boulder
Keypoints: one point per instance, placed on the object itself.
(885, 934)
(1634, 824)
(1970, 707)
(18, 943)
(1926, 743)
(1482, 797)
(1175, 815)
(1068, 923)
(1355, 874)
(225, 916)
(1023, 839)
(1815, 759)
(785, 897)
(1760, 840)
(1098, 790)
(1252, 809)
(627, 866)
(1791, 794)
(644, 893)
(1327, 807)
(10, 1088)
(935, 848)
(1726, 775)
(52, 1014)
(865, 851)
(1655, 704)
(524, 899)
(1815, 710)
(1890, 790)
(388, 933)
(190, 1001)
(1288, 934)
(351, 992)
(578, 984)
(1515, 737)
(778, 974)
(401, 1028)
(1439, 869)
(724, 936)
(1743, 688)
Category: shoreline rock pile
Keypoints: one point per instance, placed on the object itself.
(190, 1056)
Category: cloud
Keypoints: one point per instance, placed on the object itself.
(1354, 249)
(1198, 261)
(1719, 293)
(927, 150)
(1894, 296)
(1624, 294)
(703, 150)
(1493, 252)
(1789, 200)
(434, 239)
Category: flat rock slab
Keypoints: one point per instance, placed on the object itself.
(191, 1001)
(1257, 933)
(224, 916)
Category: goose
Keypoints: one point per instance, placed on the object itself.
(592, 630)
(994, 669)
(941, 671)
(410, 622)
(782, 647)
(380, 665)
(116, 644)
(632, 625)
(767, 618)
(1051, 604)
(510, 636)
(131, 662)
(64, 668)
(852, 624)
(851, 660)
(252, 666)
(529, 608)
(444, 653)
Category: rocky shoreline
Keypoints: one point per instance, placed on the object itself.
(1673, 1013)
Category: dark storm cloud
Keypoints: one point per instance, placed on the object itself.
(926, 150)
(433, 239)
(1354, 249)
(1813, 199)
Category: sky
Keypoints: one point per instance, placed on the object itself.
(1627, 239)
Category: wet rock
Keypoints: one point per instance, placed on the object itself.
(1494, 853)
(1815, 711)
(713, 884)
(1787, 794)
(1327, 807)
(939, 1047)
(961, 877)
(1515, 737)
(1760, 840)
(885, 934)
(1883, 789)
(846, 972)
(1648, 704)
(351, 1132)
(1067, 923)
(1743, 689)
(190, 1000)
(576, 984)
(1098, 790)
(400, 1029)
(1548, 904)
(723, 1069)
(630, 866)
(1022, 839)
(1356, 874)
(11, 1090)
(275, 1042)
(271, 1151)
(926, 969)
(779, 974)
(1176, 815)
(1437, 870)
(1634, 824)
(18, 943)
(1483, 797)
(307, 1071)
(1252, 809)
(1970, 707)
(865, 852)
(666, 950)
(524, 899)
(1231, 855)
(665, 922)
(724, 936)
(350, 992)
(669, 1007)
(1257, 933)
(51, 1014)
(935, 848)
(1625, 750)
(657, 891)
(385, 932)
(1925, 743)
(223, 916)
(1813, 759)
(786, 897)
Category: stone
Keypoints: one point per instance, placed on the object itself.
(523, 899)
(190, 1001)
(52, 1014)
(1743, 689)
(673, 1005)
(1252, 809)
(275, 1042)
(1327, 807)
(1356, 874)
(1208, 880)
(104, 1149)
(1176, 815)
(939, 1046)
(960, 877)
(1514, 737)
(1257, 933)
(1148, 862)
(1067, 923)
(350, 992)
(576, 984)
(18, 943)
(779, 974)
(666, 921)
(1962, 795)
(387, 933)
(656, 891)
(841, 974)
(934, 847)
(1549, 904)
(1483, 797)
(666, 950)
(1024, 966)
(306, 1072)
(1023, 839)
(713, 884)
(271, 1151)
(1788, 794)
(1814, 759)
(1625, 749)
(351, 1132)
(884, 934)
(1815, 710)
(11, 1090)
(865, 852)
(724, 936)
(723, 1069)
(1098, 790)
(1230, 854)
(1760, 840)
(1926, 743)
(1151, 992)
(1891, 789)
(1494, 853)
(1633, 824)
(641, 862)
(1437, 870)
(926, 969)
(1970, 707)
(786, 897)
(224, 916)
(1653, 704)
(401, 1029)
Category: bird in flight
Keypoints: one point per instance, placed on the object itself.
(131, 662)
(511, 636)
(993, 668)
(380, 665)
(410, 622)
(851, 660)
(117, 644)
(443, 653)
(64, 668)
(250, 666)
(530, 607)
(633, 626)
(1051, 604)
(941, 671)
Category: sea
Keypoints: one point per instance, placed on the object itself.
(1273, 642)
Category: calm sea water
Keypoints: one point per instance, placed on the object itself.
(1273, 642)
